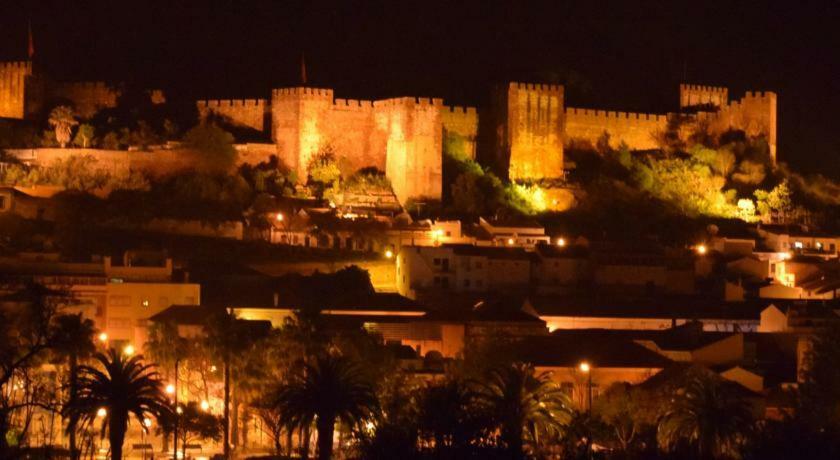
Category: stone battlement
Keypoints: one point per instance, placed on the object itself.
(615, 115)
(536, 87)
(216, 103)
(455, 109)
(705, 89)
(759, 95)
(418, 102)
(16, 66)
(353, 104)
(303, 91)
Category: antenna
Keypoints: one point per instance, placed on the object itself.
(30, 42)
(303, 69)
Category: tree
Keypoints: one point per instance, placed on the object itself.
(708, 416)
(27, 315)
(193, 424)
(820, 390)
(62, 120)
(627, 412)
(450, 413)
(73, 341)
(524, 405)
(332, 388)
(324, 174)
(84, 136)
(121, 386)
(214, 143)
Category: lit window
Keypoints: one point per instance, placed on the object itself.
(145, 302)
(797, 245)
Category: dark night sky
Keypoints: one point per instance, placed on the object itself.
(625, 56)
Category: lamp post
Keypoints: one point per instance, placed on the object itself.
(587, 368)
(175, 431)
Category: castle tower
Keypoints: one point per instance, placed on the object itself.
(14, 79)
(699, 95)
(413, 147)
(529, 124)
(299, 123)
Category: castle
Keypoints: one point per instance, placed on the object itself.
(525, 128)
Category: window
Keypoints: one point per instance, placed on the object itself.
(445, 263)
(466, 283)
(2, 202)
(444, 282)
(797, 245)
(448, 233)
(772, 268)
(144, 302)
(832, 247)
(436, 261)
(119, 301)
(437, 281)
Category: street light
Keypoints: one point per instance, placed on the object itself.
(701, 249)
(170, 389)
(561, 242)
(587, 369)
(279, 217)
(147, 423)
(128, 350)
(205, 406)
(103, 337)
(101, 412)
(389, 254)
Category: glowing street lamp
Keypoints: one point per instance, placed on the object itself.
(178, 410)
(561, 242)
(128, 350)
(586, 368)
(205, 406)
(102, 412)
(510, 241)
(701, 249)
(389, 254)
(103, 337)
(170, 389)
(147, 422)
(279, 217)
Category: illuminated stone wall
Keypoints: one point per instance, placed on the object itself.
(699, 95)
(637, 130)
(399, 136)
(460, 130)
(533, 132)
(413, 145)
(755, 114)
(249, 113)
(13, 76)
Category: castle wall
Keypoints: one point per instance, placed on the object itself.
(87, 97)
(249, 113)
(534, 132)
(413, 147)
(755, 114)
(699, 95)
(637, 130)
(13, 76)
(460, 131)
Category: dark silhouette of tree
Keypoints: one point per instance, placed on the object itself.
(330, 389)
(709, 417)
(27, 315)
(193, 424)
(524, 406)
(122, 386)
(448, 411)
(73, 341)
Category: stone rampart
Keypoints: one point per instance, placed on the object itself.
(460, 131)
(534, 133)
(700, 95)
(249, 113)
(87, 97)
(13, 77)
(636, 130)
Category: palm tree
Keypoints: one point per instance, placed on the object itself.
(61, 118)
(709, 416)
(329, 389)
(72, 341)
(123, 387)
(523, 405)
